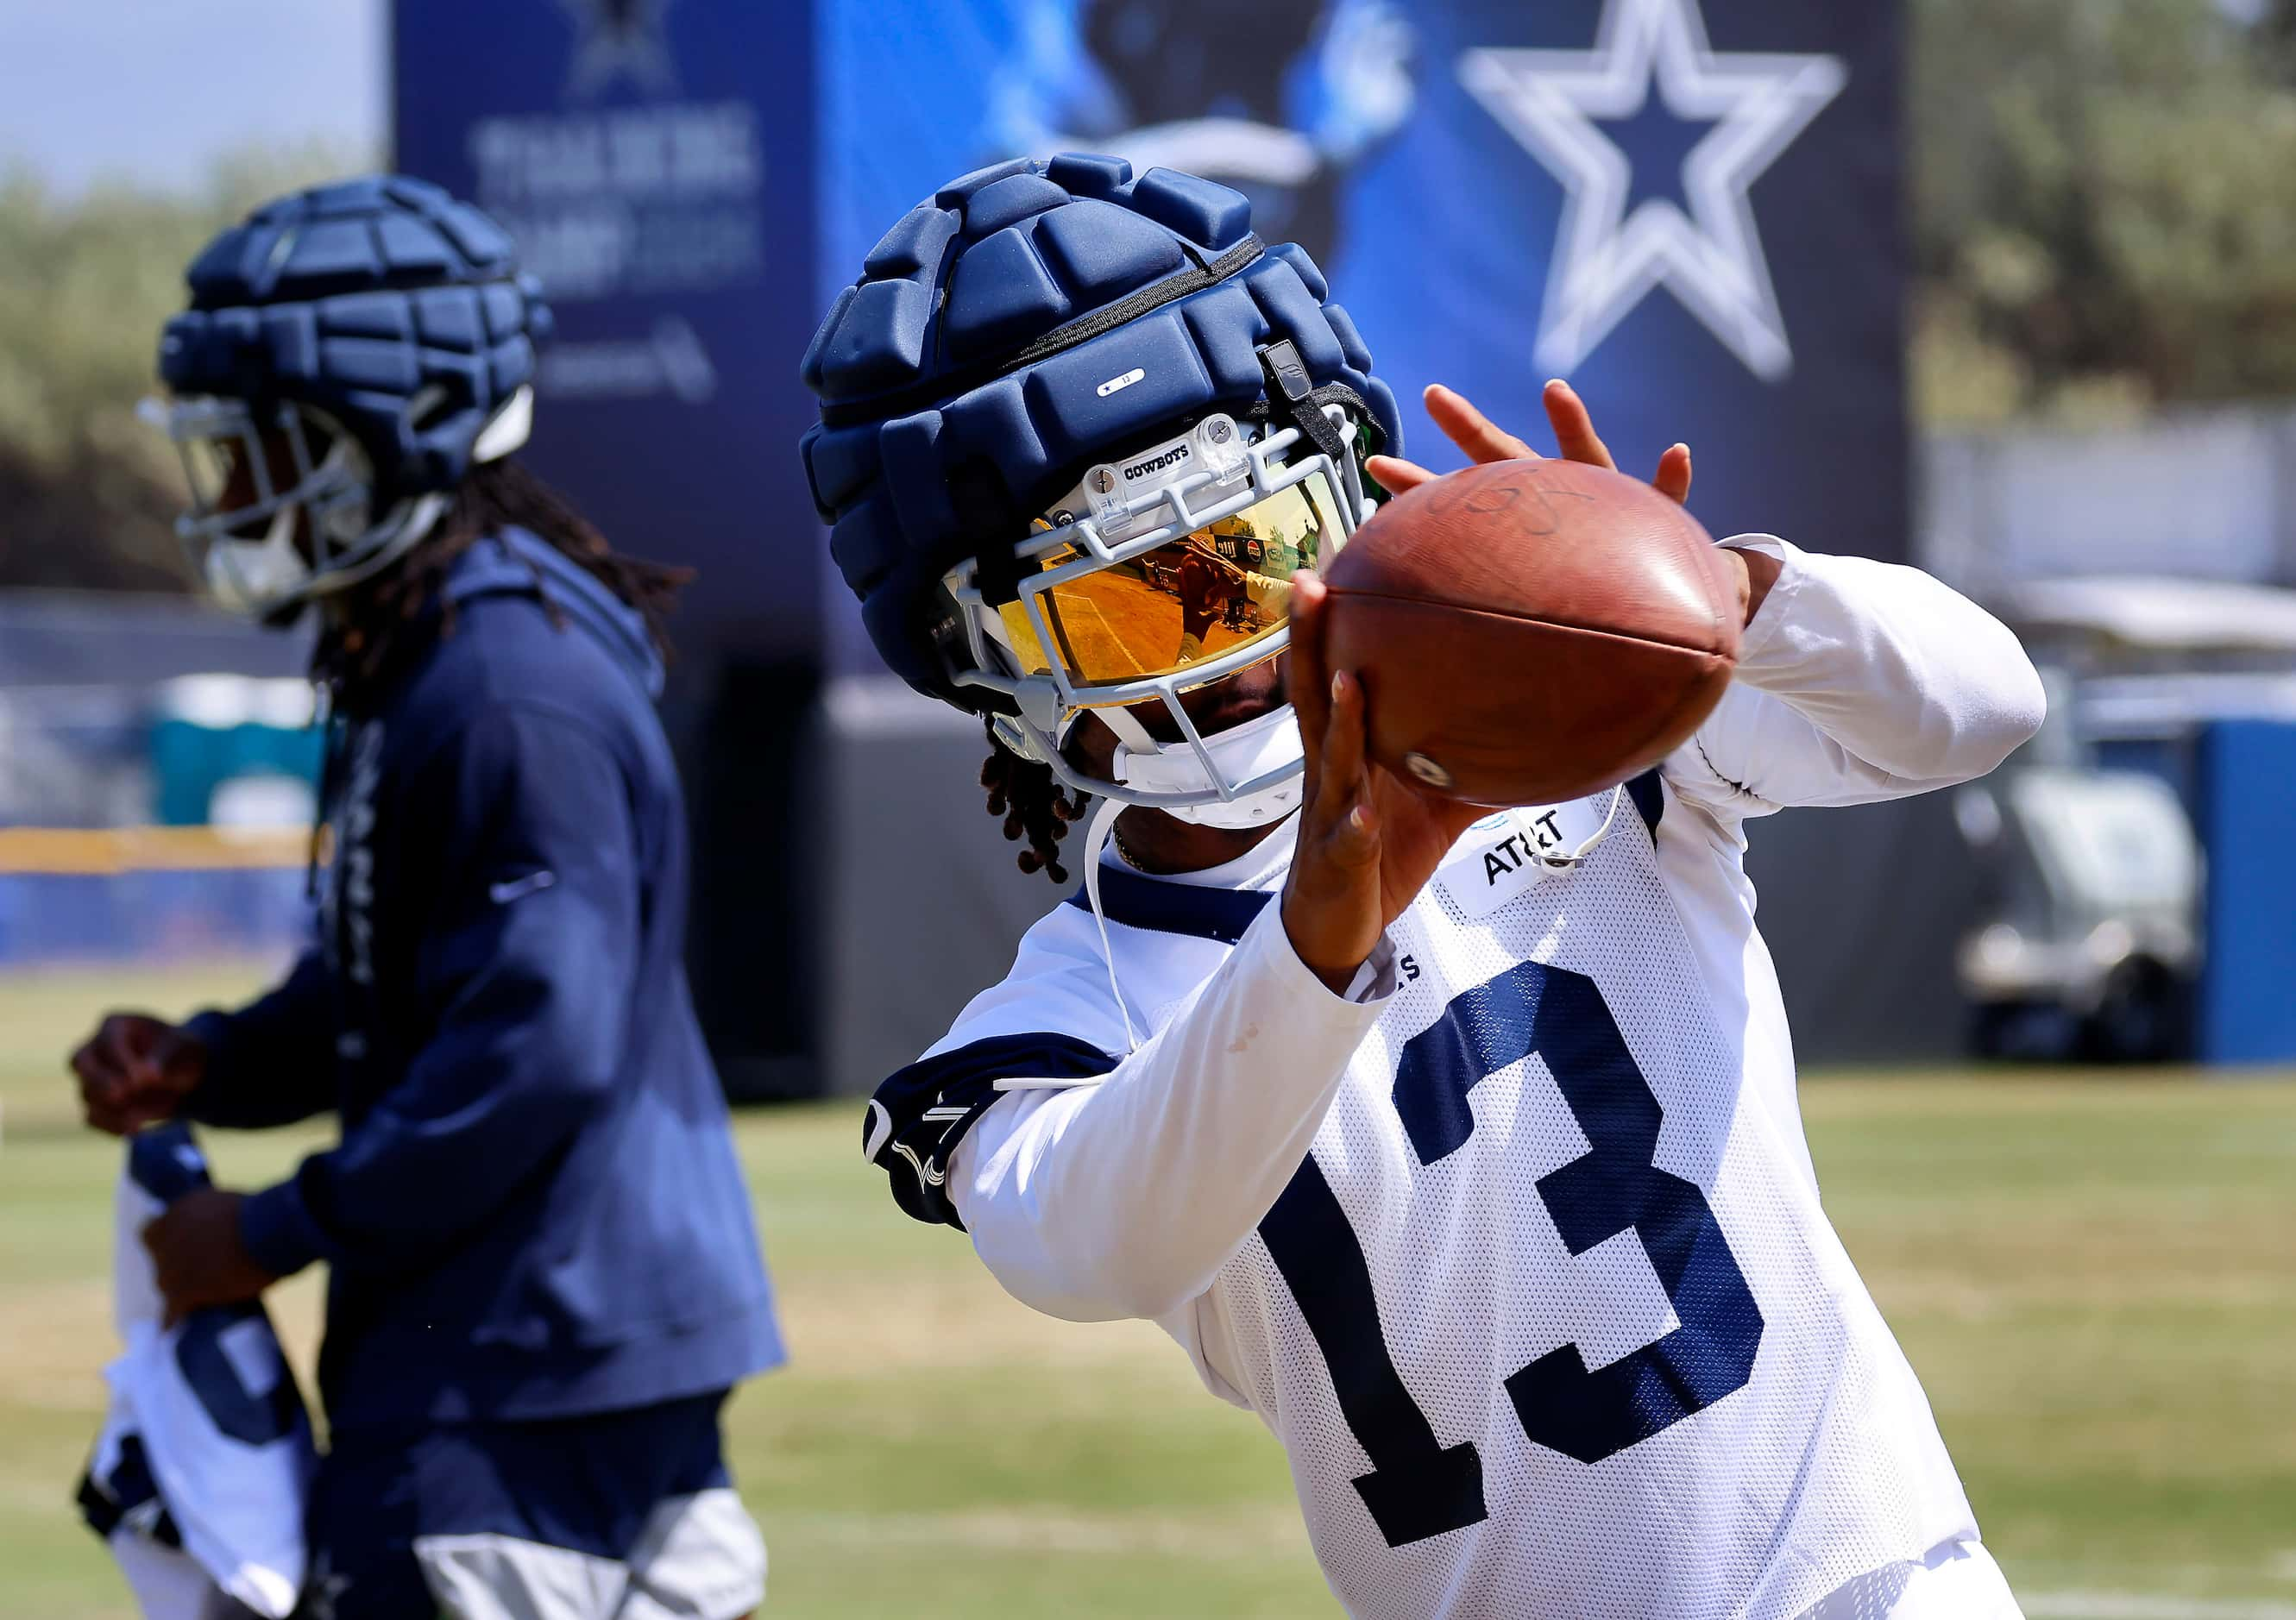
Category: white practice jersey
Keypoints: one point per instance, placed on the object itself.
(1518, 1250)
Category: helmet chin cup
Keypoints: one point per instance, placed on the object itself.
(1260, 809)
(1173, 777)
(1254, 751)
(250, 576)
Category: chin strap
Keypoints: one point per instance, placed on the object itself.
(1102, 828)
(1097, 833)
(1577, 857)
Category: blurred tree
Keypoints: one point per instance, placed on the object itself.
(2104, 196)
(87, 492)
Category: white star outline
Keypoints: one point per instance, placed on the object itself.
(1606, 261)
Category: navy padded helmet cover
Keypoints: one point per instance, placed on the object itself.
(938, 426)
(354, 298)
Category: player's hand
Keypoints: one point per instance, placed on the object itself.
(1483, 441)
(1368, 840)
(197, 1254)
(136, 1070)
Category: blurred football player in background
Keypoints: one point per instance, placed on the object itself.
(543, 1275)
(1463, 1149)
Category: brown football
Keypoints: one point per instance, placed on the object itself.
(1532, 631)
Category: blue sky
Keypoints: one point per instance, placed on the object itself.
(154, 90)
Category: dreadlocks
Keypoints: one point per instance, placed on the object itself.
(1031, 802)
(365, 640)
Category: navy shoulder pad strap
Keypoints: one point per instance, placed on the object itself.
(1649, 795)
(1222, 914)
(919, 1116)
(1141, 902)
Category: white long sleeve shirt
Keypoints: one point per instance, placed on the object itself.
(1520, 1250)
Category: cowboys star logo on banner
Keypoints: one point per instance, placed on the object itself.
(1608, 259)
(619, 38)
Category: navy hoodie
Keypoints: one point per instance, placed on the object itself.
(535, 1209)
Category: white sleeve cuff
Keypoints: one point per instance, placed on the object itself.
(1757, 645)
(1373, 982)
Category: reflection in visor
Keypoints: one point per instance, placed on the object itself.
(1193, 599)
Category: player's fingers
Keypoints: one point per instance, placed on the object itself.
(96, 1072)
(1454, 819)
(131, 1116)
(1343, 738)
(1574, 428)
(1473, 431)
(1397, 476)
(1344, 813)
(1672, 479)
(107, 1097)
(1306, 681)
(176, 1295)
(121, 1041)
(1352, 841)
(114, 1109)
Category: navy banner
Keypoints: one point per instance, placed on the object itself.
(653, 160)
(1688, 207)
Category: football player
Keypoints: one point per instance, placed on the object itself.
(543, 1275)
(1463, 1149)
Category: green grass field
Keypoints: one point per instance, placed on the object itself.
(2096, 1279)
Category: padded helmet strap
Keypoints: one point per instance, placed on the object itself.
(1291, 399)
(984, 513)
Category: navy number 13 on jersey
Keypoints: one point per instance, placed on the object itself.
(1416, 1487)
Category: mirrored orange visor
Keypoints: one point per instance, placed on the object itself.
(1187, 602)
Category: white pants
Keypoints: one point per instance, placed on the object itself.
(700, 1558)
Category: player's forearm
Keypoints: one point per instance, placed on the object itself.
(1125, 1199)
(528, 1047)
(272, 1062)
(429, 1167)
(1903, 673)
